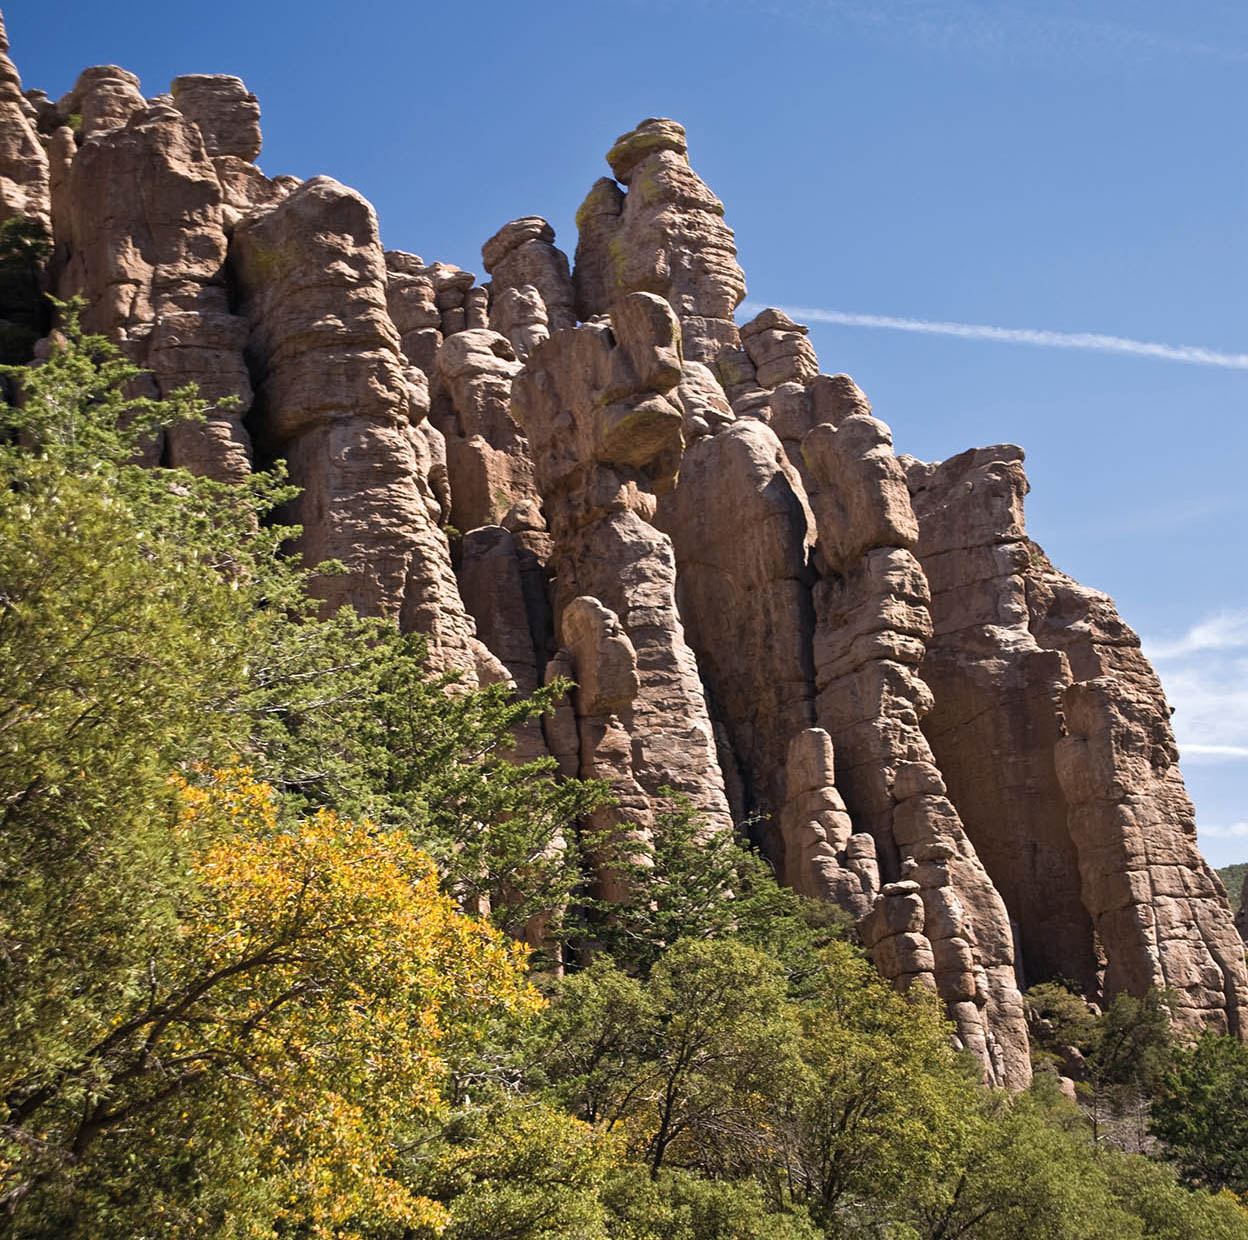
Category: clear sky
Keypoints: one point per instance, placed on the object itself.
(1063, 165)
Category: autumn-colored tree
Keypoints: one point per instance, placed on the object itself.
(287, 1033)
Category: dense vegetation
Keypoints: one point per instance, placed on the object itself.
(1232, 877)
(240, 995)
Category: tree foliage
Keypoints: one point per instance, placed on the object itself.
(300, 1012)
(1201, 1112)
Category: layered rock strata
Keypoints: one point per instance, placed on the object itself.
(862, 660)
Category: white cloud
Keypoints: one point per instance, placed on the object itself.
(1205, 675)
(1214, 753)
(1226, 630)
(1233, 831)
(1096, 342)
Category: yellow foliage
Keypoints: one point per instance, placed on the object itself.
(319, 981)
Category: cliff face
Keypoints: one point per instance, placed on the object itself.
(859, 658)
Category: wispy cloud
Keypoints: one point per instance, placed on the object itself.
(1225, 630)
(1215, 751)
(1097, 342)
(1231, 831)
(1205, 675)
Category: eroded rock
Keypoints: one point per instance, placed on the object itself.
(665, 234)
(333, 398)
(598, 404)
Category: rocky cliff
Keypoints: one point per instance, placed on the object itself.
(857, 657)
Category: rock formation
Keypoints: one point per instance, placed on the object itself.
(1054, 736)
(598, 405)
(25, 205)
(333, 399)
(530, 282)
(146, 250)
(664, 233)
(24, 175)
(859, 659)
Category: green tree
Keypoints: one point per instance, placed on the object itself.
(353, 721)
(1201, 1112)
(886, 1105)
(515, 1169)
(1130, 1048)
(1150, 1192)
(133, 604)
(686, 882)
(680, 1205)
(1058, 1021)
(686, 1064)
(24, 249)
(1027, 1172)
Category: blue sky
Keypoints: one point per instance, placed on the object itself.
(1071, 167)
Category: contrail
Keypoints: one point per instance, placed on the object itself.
(1095, 341)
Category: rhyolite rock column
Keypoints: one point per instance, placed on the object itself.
(1054, 734)
(598, 405)
(522, 256)
(24, 187)
(334, 400)
(147, 251)
(487, 453)
(663, 233)
(872, 624)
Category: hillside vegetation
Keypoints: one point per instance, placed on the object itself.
(1232, 877)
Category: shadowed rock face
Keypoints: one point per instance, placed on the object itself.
(25, 197)
(762, 606)
(741, 526)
